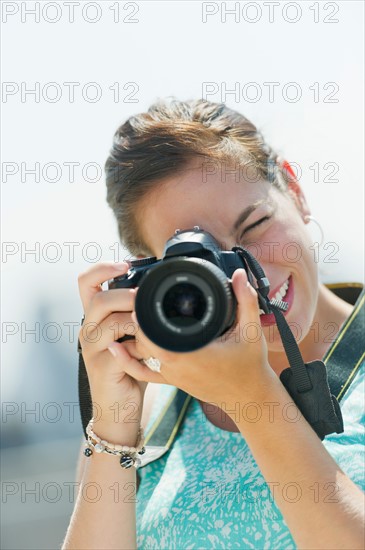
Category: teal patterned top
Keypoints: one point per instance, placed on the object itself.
(207, 491)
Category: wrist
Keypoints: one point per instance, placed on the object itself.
(128, 454)
(265, 388)
(118, 433)
(117, 412)
(258, 384)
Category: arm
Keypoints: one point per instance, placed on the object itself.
(232, 370)
(110, 520)
(148, 401)
(291, 453)
(104, 514)
(91, 521)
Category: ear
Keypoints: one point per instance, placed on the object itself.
(295, 191)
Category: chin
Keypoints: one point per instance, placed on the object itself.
(299, 324)
(274, 345)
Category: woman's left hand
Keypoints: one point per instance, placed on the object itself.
(235, 362)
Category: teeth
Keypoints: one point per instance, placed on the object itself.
(283, 289)
(279, 295)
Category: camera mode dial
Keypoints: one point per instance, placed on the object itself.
(143, 261)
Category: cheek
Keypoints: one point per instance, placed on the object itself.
(283, 243)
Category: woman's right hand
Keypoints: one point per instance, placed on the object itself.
(117, 397)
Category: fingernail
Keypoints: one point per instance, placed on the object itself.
(113, 351)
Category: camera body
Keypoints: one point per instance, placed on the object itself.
(185, 300)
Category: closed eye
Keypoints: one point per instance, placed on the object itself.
(259, 222)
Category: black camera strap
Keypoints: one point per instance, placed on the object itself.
(291, 348)
(86, 407)
(343, 360)
(293, 354)
(306, 383)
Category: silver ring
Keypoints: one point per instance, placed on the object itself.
(153, 363)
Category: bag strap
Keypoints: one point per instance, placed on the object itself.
(86, 409)
(160, 436)
(344, 357)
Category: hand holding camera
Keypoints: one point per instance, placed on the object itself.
(107, 318)
(191, 307)
(185, 300)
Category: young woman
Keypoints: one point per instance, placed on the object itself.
(195, 163)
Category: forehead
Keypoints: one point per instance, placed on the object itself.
(197, 196)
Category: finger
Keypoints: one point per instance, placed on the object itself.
(91, 280)
(147, 348)
(246, 295)
(107, 302)
(133, 367)
(96, 337)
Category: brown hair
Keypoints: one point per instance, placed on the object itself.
(151, 146)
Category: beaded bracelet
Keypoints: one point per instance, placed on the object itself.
(128, 455)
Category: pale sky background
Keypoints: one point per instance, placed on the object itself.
(169, 51)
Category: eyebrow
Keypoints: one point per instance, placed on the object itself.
(246, 213)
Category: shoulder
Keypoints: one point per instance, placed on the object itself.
(348, 292)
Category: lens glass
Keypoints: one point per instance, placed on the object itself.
(184, 304)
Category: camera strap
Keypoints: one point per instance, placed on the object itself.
(343, 360)
(306, 383)
(320, 404)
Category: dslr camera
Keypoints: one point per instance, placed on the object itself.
(185, 300)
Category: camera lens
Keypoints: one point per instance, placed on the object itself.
(184, 304)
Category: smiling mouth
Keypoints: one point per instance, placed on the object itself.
(280, 294)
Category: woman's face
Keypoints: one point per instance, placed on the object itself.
(257, 216)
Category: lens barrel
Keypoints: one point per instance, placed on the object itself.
(183, 304)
